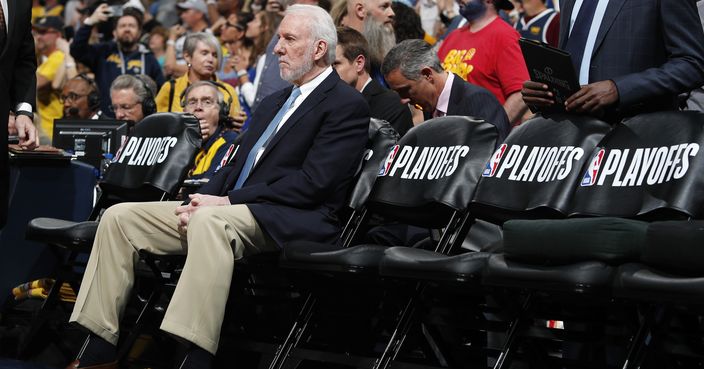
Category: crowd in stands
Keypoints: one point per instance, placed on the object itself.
(245, 66)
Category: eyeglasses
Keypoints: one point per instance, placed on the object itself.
(205, 102)
(115, 108)
(235, 25)
(71, 97)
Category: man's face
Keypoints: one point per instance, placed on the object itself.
(345, 67)
(75, 98)
(45, 39)
(420, 92)
(126, 105)
(381, 12)
(202, 102)
(127, 31)
(295, 49)
(191, 17)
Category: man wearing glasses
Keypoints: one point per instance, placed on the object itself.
(81, 98)
(205, 101)
(132, 98)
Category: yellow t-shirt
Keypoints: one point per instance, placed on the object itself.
(48, 105)
(180, 85)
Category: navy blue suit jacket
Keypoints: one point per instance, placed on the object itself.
(302, 178)
(652, 50)
(471, 100)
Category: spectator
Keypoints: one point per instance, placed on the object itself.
(81, 98)
(407, 24)
(47, 30)
(203, 55)
(299, 182)
(485, 52)
(232, 40)
(206, 102)
(157, 44)
(629, 60)
(46, 8)
(538, 22)
(413, 69)
(194, 15)
(339, 13)
(261, 31)
(124, 55)
(375, 20)
(352, 64)
(132, 97)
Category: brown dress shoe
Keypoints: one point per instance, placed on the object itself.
(76, 364)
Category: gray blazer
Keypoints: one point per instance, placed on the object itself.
(653, 50)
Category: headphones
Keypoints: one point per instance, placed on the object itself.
(224, 113)
(148, 104)
(94, 94)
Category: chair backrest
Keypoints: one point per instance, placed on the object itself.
(382, 136)
(649, 167)
(534, 172)
(155, 159)
(433, 170)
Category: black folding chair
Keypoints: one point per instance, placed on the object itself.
(149, 166)
(426, 181)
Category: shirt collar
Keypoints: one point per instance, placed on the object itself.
(444, 98)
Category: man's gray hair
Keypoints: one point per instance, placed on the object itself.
(191, 42)
(321, 26)
(409, 57)
(138, 84)
(218, 93)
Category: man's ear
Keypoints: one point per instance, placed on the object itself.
(321, 50)
(359, 10)
(359, 62)
(427, 74)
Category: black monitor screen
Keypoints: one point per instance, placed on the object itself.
(87, 139)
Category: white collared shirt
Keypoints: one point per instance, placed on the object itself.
(591, 39)
(444, 98)
(4, 11)
(306, 89)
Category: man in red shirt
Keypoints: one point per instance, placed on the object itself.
(485, 52)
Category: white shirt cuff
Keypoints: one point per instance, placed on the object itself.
(24, 107)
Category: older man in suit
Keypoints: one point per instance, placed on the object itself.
(17, 76)
(414, 71)
(631, 56)
(289, 179)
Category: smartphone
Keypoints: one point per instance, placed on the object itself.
(115, 10)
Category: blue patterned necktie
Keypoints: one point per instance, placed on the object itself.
(577, 40)
(265, 138)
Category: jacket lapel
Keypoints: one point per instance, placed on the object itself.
(316, 97)
(456, 95)
(610, 15)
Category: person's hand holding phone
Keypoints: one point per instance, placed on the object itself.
(100, 14)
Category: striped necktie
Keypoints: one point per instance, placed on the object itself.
(265, 138)
(577, 40)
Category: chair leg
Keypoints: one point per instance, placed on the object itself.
(295, 333)
(511, 344)
(40, 318)
(400, 332)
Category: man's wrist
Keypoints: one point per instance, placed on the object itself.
(241, 73)
(171, 42)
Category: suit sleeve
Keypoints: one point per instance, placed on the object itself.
(684, 69)
(492, 112)
(24, 87)
(334, 155)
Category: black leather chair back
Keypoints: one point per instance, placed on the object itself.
(382, 137)
(651, 166)
(155, 158)
(534, 172)
(433, 171)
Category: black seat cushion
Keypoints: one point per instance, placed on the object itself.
(319, 256)
(64, 233)
(643, 282)
(566, 241)
(415, 263)
(586, 276)
(676, 246)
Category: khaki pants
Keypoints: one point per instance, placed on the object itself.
(217, 235)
